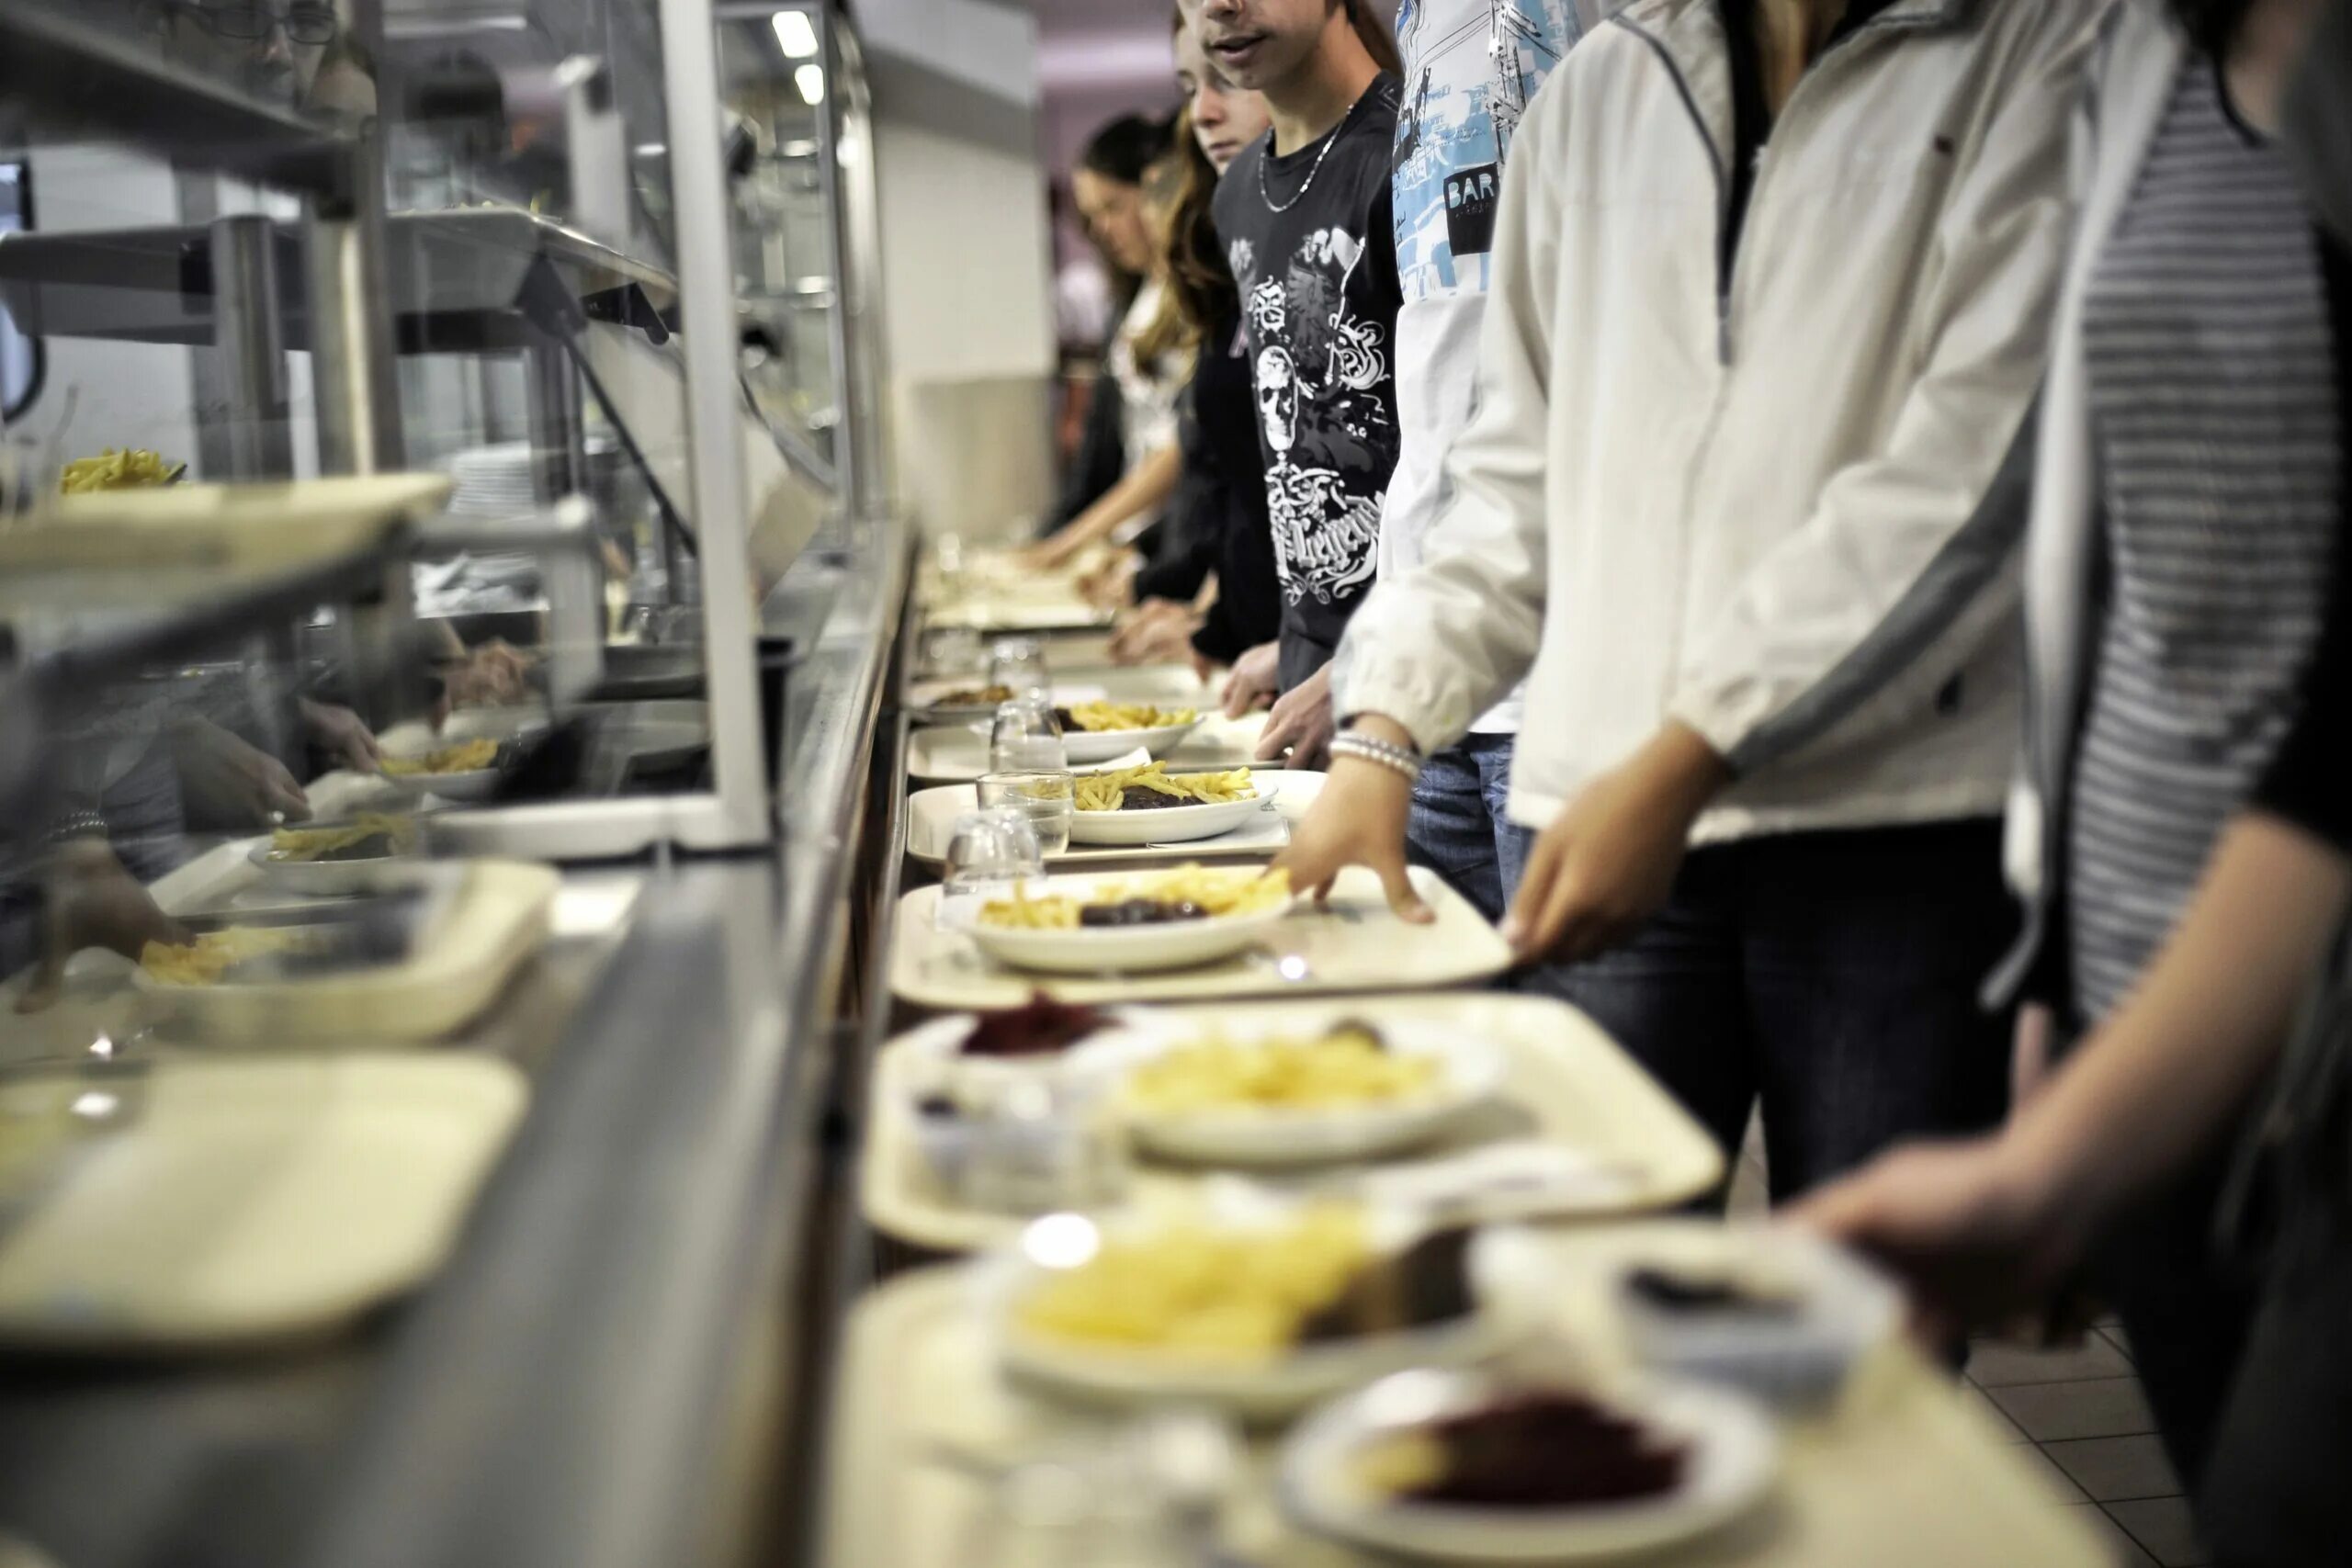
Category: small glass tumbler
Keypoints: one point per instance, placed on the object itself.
(1026, 738)
(953, 652)
(1047, 796)
(1018, 664)
(990, 853)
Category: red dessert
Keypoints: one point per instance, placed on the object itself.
(1038, 1028)
(1549, 1451)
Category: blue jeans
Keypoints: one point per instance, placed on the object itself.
(1832, 974)
(1458, 829)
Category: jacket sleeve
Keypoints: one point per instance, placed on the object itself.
(1435, 647)
(1909, 563)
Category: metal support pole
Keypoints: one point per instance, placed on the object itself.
(249, 330)
(559, 433)
(353, 373)
(714, 388)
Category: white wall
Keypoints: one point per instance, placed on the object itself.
(966, 274)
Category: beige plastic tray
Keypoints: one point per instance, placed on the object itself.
(1003, 610)
(957, 755)
(496, 920)
(243, 1200)
(932, 813)
(1565, 1082)
(999, 594)
(1161, 685)
(1085, 650)
(1352, 945)
(248, 526)
(1903, 1475)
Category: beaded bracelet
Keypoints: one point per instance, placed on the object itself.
(1371, 749)
(75, 825)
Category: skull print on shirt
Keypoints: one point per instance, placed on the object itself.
(1318, 281)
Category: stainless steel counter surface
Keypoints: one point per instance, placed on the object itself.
(601, 1375)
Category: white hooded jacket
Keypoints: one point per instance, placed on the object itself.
(1779, 503)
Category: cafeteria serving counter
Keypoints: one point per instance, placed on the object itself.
(607, 1371)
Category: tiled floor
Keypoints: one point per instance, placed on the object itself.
(2081, 1416)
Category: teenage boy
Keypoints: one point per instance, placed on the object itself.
(1740, 501)
(1305, 217)
(1470, 68)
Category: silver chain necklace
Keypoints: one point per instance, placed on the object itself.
(1314, 169)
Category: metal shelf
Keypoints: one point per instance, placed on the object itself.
(61, 77)
(458, 280)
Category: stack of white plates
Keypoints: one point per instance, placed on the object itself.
(493, 481)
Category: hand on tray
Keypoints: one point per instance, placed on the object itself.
(1158, 633)
(1255, 678)
(490, 675)
(341, 734)
(91, 901)
(1111, 585)
(1971, 1227)
(1301, 725)
(1358, 819)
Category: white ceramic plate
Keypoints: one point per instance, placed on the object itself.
(1470, 1073)
(1084, 747)
(932, 813)
(1733, 1456)
(325, 878)
(1178, 945)
(476, 784)
(1258, 1387)
(1169, 825)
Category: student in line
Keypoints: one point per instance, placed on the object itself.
(1225, 543)
(1139, 421)
(2188, 499)
(1470, 67)
(1771, 298)
(1304, 215)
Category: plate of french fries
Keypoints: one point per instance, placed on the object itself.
(1148, 805)
(1096, 732)
(1258, 1306)
(1139, 923)
(1352, 1089)
(335, 858)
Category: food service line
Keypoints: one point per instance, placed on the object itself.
(678, 1032)
(950, 1394)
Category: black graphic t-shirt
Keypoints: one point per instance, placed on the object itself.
(1319, 299)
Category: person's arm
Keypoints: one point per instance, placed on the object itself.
(1982, 1228)
(1140, 489)
(1432, 649)
(1186, 569)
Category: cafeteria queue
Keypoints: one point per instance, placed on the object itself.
(1837, 556)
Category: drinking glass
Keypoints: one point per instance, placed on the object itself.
(1018, 664)
(1025, 738)
(954, 651)
(990, 852)
(1047, 795)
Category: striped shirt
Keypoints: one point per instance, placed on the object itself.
(2207, 343)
